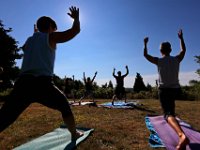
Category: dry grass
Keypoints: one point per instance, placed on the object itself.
(115, 129)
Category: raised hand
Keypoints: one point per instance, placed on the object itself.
(146, 39)
(74, 12)
(180, 34)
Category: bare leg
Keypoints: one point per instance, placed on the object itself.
(70, 123)
(183, 140)
(113, 99)
(125, 98)
(81, 100)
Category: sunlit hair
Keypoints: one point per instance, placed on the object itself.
(165, 48)
(44, 23)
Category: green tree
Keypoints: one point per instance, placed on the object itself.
(58, 82)
(110, 84)
(105, 85)
(139, 84)
(149, 87)
(9, 52)
(197, 59)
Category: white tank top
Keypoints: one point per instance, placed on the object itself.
(39, 57)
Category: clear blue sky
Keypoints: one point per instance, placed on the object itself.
(112, 33)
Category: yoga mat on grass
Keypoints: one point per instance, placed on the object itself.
(169, 136)
(154, 139)
(59, 139)
(119, 104)
(82, 103)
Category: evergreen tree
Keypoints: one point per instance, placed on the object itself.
(104, 85)
(110, 84)
(139, 84)
(9, 52)
(149, 87)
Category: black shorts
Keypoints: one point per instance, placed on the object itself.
(167, 98)
(120, 91)
(29, 89)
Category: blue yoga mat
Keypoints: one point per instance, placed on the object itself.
(154, 140)
(59, 139)
(119, 104)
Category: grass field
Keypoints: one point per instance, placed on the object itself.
(115, 129)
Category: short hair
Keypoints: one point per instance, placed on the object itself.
(119, 72)
(44, 23)
(165, 48)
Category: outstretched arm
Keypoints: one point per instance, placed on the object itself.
(114, 73)
(127, 71)
(60, 37)
(94, 76)
(150, 58)
(181, 55)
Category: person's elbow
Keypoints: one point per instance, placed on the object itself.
(76, 30)
(145, 55)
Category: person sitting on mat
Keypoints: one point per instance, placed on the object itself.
(120, 90)
(88, 88)
(168, 70)
(35, 82)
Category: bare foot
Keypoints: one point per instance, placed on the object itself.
(183, 141)
(78, 135)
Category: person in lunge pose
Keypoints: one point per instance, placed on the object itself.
(88, 88)
(120, 90)
(35, 82)
(168, 82)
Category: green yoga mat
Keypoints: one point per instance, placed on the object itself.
(59, 139)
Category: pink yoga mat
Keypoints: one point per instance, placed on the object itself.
(169, 136)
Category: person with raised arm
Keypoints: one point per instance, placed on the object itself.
(35, 83)
(168, 82)
(119, 90)
(88, 87)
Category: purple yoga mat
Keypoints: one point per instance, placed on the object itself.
(169, 136)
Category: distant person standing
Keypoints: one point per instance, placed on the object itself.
(168, 83)
(88, 87)
(120, 90)
(35, 83)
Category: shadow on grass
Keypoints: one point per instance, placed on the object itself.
(143, 109)
(71, 146)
